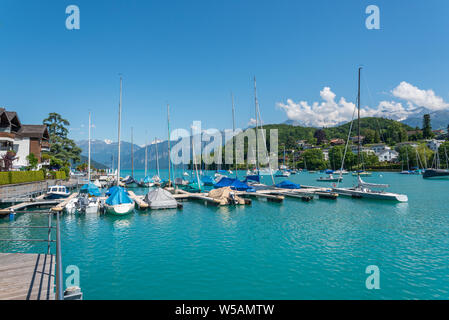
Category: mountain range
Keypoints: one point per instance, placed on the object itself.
(105, 152)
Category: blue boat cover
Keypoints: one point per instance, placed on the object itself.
(91, 189)
(233, 183)
(288, 185)
(254, 177)
(118, 196)
(111, 190)
(129, 180)
(329, 171)
(208, 180)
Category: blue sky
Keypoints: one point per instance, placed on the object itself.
(192, 54)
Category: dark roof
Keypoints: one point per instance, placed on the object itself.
(34, 131)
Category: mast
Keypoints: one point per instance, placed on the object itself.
(157, 159)
(256, 107)
(132, 154)
(169, 162)
(146, 157)
(234, 148)
(119, 124)
(88, 160)
(358, 123)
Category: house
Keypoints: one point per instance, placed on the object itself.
(355, 150)
(336, 142)
(407, 143)
(388, 155)
(326, 154)
(434, 144)
(379, 148)
(22, 138)
(301, 143)
(357, 138)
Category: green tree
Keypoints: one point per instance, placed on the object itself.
(336, 155)
(320, 135)
(427, 127)
(314, 159)
(32, 161)
(63, 151)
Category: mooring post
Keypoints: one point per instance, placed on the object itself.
(59, 290)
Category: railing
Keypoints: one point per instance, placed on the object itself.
(49, 240)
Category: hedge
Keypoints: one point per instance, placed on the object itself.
(58, 175)
(13, 177)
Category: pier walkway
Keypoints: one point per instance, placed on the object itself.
(27, 276)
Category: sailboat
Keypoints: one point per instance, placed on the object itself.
(87, 200)
(363, 189)
(118, 202)
(283, 169)
(254, 179)
(435, 172)
(408, 165)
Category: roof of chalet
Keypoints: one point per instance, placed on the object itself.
(34, 131)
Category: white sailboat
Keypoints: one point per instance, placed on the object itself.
(87, 200)
(363, 189)
(118, 203)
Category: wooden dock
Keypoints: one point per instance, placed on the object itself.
(27, 276)
(29, 204)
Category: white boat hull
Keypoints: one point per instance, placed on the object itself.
(119, 209)
(352, 192)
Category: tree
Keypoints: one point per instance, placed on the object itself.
(32, 161)
(336, 155)
(320, 135)
(63, 150)
(314, 159)
(427, 127)
(8, 159)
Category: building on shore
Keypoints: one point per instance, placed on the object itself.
(23, 139)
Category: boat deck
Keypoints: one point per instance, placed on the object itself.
(27, 276)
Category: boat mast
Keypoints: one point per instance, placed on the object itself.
(119, 124)
(146, 157)
(157, 158)
(234, 147)
(132, 154)
(256, 108)
(358, 123)
(88, 160)
(169, 162)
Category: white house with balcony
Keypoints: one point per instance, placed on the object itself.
(22, 139)
(388, 155)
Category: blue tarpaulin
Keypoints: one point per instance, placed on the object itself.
(233, 183)
(118, 196)
(255, 177)
(288, 185)
(91, 189)
(208, 180)
(112, 190)
(329, 171)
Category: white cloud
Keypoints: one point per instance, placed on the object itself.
(419, 98)
(324, 114)
(330, 112)
(252, 122)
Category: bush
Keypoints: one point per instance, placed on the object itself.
(13, 177)
(58, 175)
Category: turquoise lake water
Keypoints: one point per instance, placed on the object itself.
(291, 250)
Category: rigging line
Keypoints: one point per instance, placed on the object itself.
(265, 144)
(346, 147)
(371, 101)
